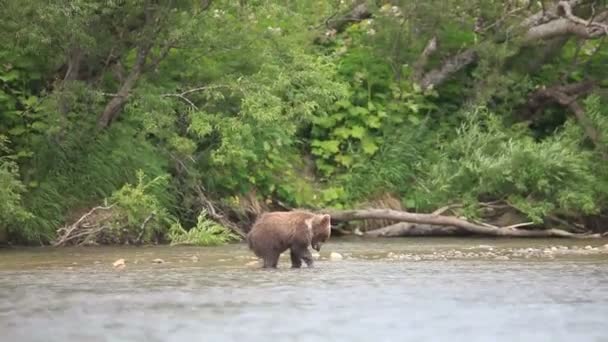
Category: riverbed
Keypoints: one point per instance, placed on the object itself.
(417, 289)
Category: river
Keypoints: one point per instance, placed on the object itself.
(419, 289)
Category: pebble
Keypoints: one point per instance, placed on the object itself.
(553, 248)
(119, 263)
(335, 256)
(158, 261)
(588, 248)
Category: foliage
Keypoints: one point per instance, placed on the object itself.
(238, 98)
(205, 233)
(137, 208)
(487, 159)
(11, 189)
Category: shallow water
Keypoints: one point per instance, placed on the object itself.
(216, 294)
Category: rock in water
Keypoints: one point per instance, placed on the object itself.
(335, 256)
(119, 263)
(158, 261)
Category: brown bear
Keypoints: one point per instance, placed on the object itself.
(275, 232)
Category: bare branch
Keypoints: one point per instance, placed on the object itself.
(449, 67)
(143, 227)
(423, 59)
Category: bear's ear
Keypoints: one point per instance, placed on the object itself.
(325, 220)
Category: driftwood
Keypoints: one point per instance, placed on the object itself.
(80, 231)
(437, 224)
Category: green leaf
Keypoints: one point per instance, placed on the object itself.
(345, 160)
(358, 111)
(19, 130)
(357, 132)
(373, 121)
(342, 132)
(369, 146)
(39, 126)
(413, 119)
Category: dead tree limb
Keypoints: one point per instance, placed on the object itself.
(77, 229)
(552, 23)
(451, 66)
(217, 216)
(566, 96)
(339, 22)
(414, 229)
(423, 59)
(449, 221)
(143, 227)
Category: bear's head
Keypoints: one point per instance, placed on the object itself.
(320, 226)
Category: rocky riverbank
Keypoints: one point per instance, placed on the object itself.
(477, 252)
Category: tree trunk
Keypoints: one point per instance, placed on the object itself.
(113, 108)
(115, 105)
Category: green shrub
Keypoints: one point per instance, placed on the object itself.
(205, 233)
(488, 160)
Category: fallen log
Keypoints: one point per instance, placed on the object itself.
(437, 220)
(414, 229)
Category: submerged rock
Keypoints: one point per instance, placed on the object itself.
(119, 263)
(158, 261)
(335, 256)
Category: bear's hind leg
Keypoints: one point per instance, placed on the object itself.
(271, 260)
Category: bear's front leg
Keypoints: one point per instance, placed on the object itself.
(307, 257)
(298, 254)
(296, 260)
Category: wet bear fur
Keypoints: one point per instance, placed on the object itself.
(275, 232)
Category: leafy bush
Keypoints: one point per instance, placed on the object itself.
(137, 208)
(205, 233)
(12, 211)
(489, 160)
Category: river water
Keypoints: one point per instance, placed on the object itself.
(385, 290)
